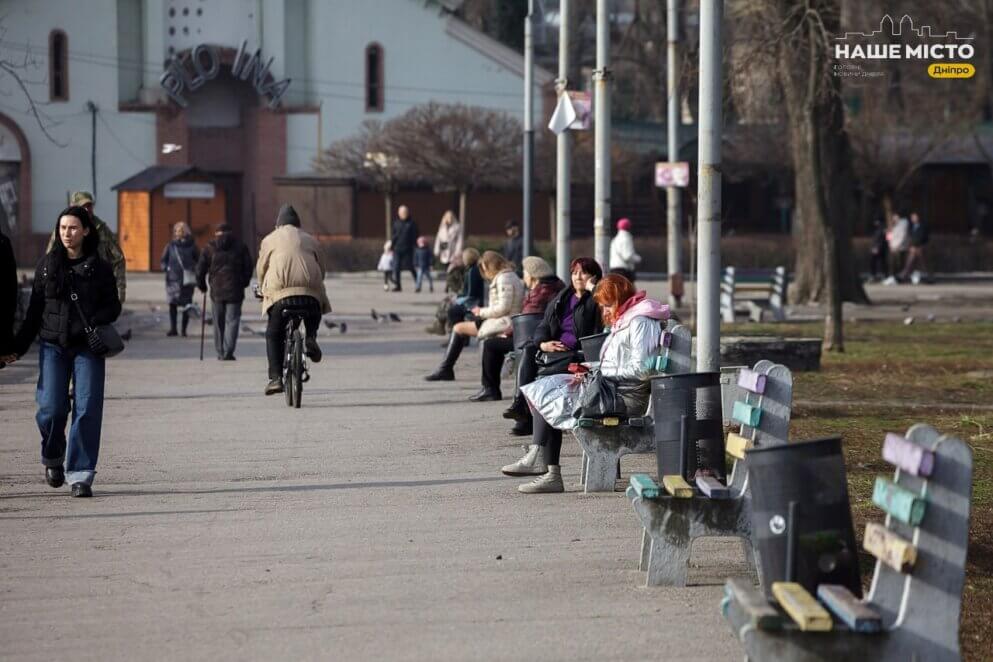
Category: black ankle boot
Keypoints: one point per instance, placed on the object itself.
(446, 372)
(518, 409)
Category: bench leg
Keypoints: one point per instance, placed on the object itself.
(668, 563)
(601, 472)
(646, 550)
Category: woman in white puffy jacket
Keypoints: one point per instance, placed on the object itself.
(506, 297)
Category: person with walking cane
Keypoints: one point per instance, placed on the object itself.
(228, 264)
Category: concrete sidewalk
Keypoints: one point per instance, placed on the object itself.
(371, 523)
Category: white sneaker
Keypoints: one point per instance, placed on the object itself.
(547, 484)
(529, 465)
(891, 280)
(915, 278)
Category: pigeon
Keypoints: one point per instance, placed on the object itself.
(908, 321)
(930, 317)
(394, 317)
(375, 315)
(247, 329)
(126, 336)
(343, 327)
(330, 324)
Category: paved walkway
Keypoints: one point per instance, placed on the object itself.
(371, 524)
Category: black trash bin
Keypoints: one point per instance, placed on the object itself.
(801, 519)
(591, 345)
(524, 325)
(687, 412)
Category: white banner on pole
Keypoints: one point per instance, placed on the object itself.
(563, 116)
(672, 174)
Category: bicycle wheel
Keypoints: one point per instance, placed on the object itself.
(297, 377)
(288, 365)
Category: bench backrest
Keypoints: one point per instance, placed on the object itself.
(922, 605)
(679, 350)
(775, 401)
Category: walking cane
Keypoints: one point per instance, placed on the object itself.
(203, 323)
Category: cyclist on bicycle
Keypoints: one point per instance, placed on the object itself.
(291, 276)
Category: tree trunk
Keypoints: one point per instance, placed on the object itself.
(465, 225)
(825, 188)
(823, 182)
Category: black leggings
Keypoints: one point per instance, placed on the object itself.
(274, 339)
(549, 438)
(173, 314)
(495, 351)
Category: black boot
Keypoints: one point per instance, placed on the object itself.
(518, 409)
(446, 372)
(524, 428)
(186, 321)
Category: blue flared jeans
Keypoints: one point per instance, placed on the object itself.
(56, 366)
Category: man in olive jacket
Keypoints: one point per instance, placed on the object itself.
(109, 249)
(291, 275)
(229, 265)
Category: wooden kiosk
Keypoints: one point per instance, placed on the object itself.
(155, 199)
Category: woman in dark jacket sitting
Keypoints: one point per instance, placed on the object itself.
(72, 267)
(543, 285)
(570, 316)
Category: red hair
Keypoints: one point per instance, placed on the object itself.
(613, 290)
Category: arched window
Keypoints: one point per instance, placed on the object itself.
(58, 66)
(374, 78)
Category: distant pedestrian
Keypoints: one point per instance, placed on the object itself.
(448, 240)
(179, 262)
(109, 249)
(386, 265)
(9, 294)
(228, 264)
(898, 238)
(69, 279)
(919, 237)
(513, 248)
(879, 257)
(404, 241)
(423, 261)
(624, 260)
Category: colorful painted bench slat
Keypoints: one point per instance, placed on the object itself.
(900, 503)
(746, 414)
(644, 486)
(801, 606)
(752, 381)
(677, 487)
(761, 614)
(907, 456)
(736, 445)
(889, 548)
(712, 487)
(849, 609)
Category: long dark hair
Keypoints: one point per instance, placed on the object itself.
(59, 256)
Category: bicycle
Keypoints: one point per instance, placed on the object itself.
(295, 372)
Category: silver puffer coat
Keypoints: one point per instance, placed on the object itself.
(622, 358)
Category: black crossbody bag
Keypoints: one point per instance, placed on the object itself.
(103, 340)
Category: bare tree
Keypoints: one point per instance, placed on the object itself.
(792, 39)
(366, 157)
(457, 146)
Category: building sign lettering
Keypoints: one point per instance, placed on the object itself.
(202, 64)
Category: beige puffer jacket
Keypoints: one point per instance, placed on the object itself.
(291, 263)
(506, 298)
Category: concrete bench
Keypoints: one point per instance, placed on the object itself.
(753, 291)
(673, 521)
(912, 610)
(604, 441)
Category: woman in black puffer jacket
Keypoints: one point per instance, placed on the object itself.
(72, 267)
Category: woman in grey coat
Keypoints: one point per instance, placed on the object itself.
(179, 261)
